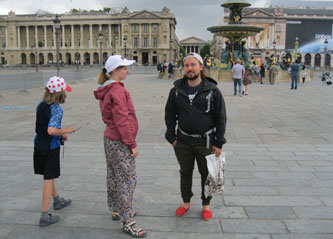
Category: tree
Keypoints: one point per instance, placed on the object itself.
(107, 9)
(205, 50)
(182, 51)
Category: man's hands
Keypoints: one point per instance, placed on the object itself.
(174, 143)
(217, 151)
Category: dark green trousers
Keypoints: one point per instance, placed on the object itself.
(186, 156)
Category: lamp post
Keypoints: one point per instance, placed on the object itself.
(77, 61)
(125, 39)
(100, 39)
(116, 45)
(325, 52)
(274, 46)
(171, 45)
(36, 59)
(57, 27)
(296, 49)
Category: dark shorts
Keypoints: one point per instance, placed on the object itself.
(47, 163)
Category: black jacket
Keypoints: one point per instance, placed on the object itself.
(206, 111)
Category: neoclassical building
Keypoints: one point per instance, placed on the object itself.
(192, 44)
(281, 27)
(146, 36)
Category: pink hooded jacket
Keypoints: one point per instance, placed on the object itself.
(118, 113)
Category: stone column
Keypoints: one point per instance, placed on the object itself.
(149, 39)
(81, 40)
(45, 36)
(18, 37)
(63, 37)
(36, 36)
(27, 35)
(140, 36)
(91, 38)
(72, 27)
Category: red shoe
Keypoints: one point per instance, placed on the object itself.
(207, 215)
(181, 211)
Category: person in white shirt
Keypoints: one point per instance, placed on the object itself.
(238, 72)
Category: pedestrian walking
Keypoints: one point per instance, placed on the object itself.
(170, 70)
(195, 118)
(238, 72)
(247, 80)
(273, 72)
(49, 136)
(256, 71)
(262, 73)
(119, 141)
(303, 73)
(294, 72)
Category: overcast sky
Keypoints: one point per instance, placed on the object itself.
(193, 16)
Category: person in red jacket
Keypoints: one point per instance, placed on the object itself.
(119, 141)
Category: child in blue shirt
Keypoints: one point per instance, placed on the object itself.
(47, 145)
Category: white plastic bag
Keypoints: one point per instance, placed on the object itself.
(215, 180)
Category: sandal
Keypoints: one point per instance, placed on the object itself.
(116, 216)
(133, 230)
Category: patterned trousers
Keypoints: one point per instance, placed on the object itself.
(120, 179)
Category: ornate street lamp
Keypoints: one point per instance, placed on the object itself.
(57, 27)
(116, 45)
(77, 61)
(36, 59)
(125, 39)
(100, 39)
(325, 51)
(171, 46)
(296, 49)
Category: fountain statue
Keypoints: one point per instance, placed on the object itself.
(236, 32)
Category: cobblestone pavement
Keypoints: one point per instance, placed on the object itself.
(279, 169)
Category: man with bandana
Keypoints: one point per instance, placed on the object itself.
(195, 118)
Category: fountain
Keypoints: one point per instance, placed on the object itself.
(235, 31)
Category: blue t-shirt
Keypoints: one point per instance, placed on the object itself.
(56, 113)
(55, 121)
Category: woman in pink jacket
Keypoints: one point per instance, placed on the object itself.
(119, 141)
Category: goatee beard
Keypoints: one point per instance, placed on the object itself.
(193, 77)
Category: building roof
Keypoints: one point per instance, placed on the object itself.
(193, 40)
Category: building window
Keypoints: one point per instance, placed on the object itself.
(135, 41)
(155, 43)
(79, 42)
(145, 41)
(135, 27)
(70, 42)
(3, 29)
(107, 29)
(107, 42)
(3, 43)
(61, 43)
(88, 29)
(155, 27)
(116, 28)
(145, 27)
(88, 41)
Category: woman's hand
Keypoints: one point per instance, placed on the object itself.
(135, 152)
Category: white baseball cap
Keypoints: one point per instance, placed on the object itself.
(57, 84)
(194, 55)
(115, 61)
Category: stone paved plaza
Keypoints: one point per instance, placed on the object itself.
(279, 168)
